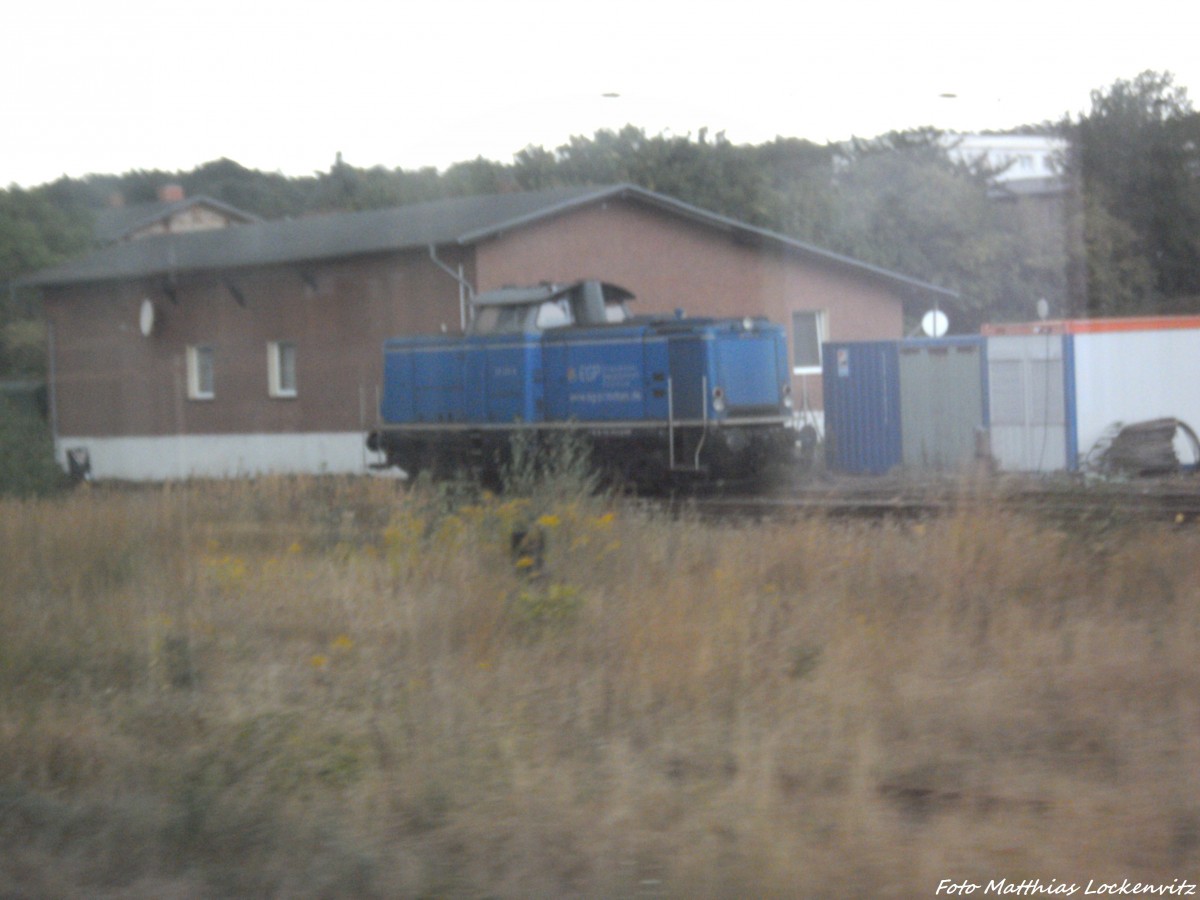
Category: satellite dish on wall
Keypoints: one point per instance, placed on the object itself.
(1043, 308)
(934, 323)
(146, 317)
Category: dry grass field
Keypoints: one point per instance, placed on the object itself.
(347, 688)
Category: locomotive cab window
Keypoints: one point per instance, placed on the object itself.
(615, 311)
(501, 320)
(554, 314)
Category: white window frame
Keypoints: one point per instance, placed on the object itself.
(201, 363)
(277, 371)
(820, 320)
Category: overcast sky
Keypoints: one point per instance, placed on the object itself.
(284, 86)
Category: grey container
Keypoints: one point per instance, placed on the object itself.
(943, 402)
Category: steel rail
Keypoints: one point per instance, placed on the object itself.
(1174, 506)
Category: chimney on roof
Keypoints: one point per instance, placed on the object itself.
(170, 193)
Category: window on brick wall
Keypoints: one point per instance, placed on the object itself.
(281, 368)
(200, 381)
(810, 329)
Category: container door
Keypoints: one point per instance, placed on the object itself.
(1027, 400)
(941, 403)
(862, 407)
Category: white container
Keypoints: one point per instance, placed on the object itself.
(1056, 389)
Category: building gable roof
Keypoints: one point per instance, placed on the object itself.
(120, 222)
(459, 221)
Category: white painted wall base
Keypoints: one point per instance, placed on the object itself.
(168, 458)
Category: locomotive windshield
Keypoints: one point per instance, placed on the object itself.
(501, 319)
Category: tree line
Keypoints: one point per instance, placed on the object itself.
(1124, 239)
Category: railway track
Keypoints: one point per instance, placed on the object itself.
(1168, 500)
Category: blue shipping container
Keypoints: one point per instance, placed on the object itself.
(861, 384)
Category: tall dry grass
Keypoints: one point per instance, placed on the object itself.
(329, 687)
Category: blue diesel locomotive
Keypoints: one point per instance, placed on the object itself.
(658, 399)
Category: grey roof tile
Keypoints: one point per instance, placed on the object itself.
(462, 221)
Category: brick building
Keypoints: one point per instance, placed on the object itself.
(257, 347)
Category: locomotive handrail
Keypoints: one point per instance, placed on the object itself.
(670, 423)
(590, 424)
(704, 409)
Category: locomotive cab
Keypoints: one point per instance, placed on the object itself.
(548, 306)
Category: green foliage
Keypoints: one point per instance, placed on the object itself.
(267, 194)
(37, 229)
(902, 203)
(1114, 275)
(27, 466)
(556, 465)
(1137, 154)
(800, 199)
(23, 347)
(36, 232)
(1131, 243)
(477, 176)
(710, 173)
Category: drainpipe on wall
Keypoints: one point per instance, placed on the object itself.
(52, 385)
(465, 291)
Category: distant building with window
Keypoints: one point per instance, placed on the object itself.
(1025, 164)
(257, 347)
